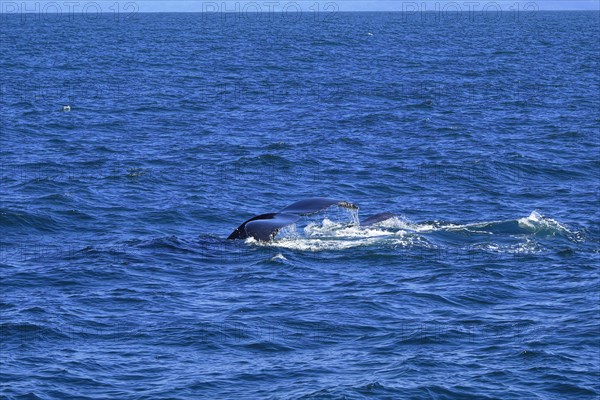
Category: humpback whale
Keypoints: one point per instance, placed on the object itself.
(264, 227)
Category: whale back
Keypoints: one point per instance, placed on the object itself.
(377, 218)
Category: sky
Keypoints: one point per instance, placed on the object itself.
(63, 6)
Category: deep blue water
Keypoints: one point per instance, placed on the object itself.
(481, 134)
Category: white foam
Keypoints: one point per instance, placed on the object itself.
(400, 232)
(315, 245)
(525, 247)
(532, 221)
(290, 231)
(332, 236)
(278, 257)
(397, 222)
(330, 229)
(536, 222)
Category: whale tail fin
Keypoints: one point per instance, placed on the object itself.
(265, 226)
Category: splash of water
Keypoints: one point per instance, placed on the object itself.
(539, 224)
(343, 231)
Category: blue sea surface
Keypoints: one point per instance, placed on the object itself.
(132, 145)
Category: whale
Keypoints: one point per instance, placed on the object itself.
(264, 227)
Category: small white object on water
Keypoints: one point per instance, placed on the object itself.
(369, 34)
(66, 108)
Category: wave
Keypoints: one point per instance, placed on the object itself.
(516, 236)
(537, 223)
(21, 220)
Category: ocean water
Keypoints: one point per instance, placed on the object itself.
(480, 134)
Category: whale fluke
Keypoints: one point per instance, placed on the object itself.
(265, 226)
(311, 206)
